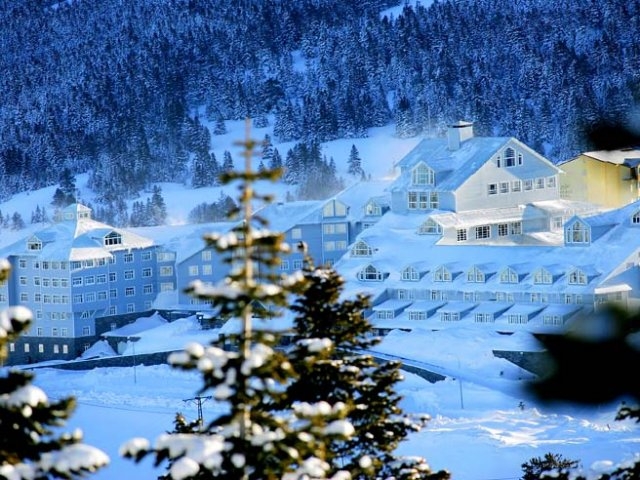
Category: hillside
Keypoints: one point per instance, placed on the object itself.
(136, 93)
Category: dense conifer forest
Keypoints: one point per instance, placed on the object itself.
(123, 89)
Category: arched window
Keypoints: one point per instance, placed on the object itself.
(361, 249)
(370, 273)
(509, 157)
(113, 238)
(635, 219)
(430, 227)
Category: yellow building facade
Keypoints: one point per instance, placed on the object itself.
(606, 178)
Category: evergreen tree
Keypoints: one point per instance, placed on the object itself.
(555, 464)
(267, 150)
(31, 444)
(276, 160)
(354, 163)
(17, 223)
(227, 162)
(345, 375)
(219, 128)
(249, 441)
(157, 209)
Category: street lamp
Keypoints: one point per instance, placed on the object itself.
(133, 341)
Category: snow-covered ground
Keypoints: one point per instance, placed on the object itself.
(484, 425)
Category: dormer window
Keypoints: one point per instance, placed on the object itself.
(410, 274)
(577, 277)
(370, 274)
(361, 249)
(578, 232)
(372, 209)
(113, 238)
(34, 244)
(422, 175)
(508, 276)
(442, 275)
(475, 275)
(542, 277)
(430, 227)
(635, 219)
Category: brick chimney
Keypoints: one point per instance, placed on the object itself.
(458, 133)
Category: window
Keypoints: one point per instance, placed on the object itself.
(636, 218)
(422, 175)
(113, 276)
(34, 244)
(206, 255)
(113, 293)
(37, 297)
(296, 233)
(528, 184)
(417, 315)
(102, 295)
(39, 331)
(542, 276)
(577, 277)
(86, 331)
(461, 235)
(442, 275)
(484, 317)
(112, 238)
(88, 297)
(23, 280)
(76, 265)
(22, 263)
(329, 246)
(113, 310)
(430, 227)
(410, 274)
(483, 231)
(517, 318)
(131, 307)
(370, 273)
(334, 209)
(516, 186)
(193, 270)
(146, 272)
(539, 183)
(516, 228)
(503, 229)
(341, 244)
(207, 270)
(475, 275)
(508, 276)
(55, 282)
(361, 249)
(578, 232)
(504, 187)
(551, 182)
(146, 256)
(24, 297)
(166, 271)
(372, 209)
(46, 282)
(26, 348)
(492, 188)
(334, 228)
(128, 257)
(40, 348)
(284, 265)
(509, 157)
(129, 291)
(36, 281)
(166, 256)
(297, 264)
(90, 280)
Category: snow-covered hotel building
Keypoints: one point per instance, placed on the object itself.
(478, 236)
(80, 277)
(471, 232)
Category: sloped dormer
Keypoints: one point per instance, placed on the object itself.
(371, 273)
(577, 232)
(361, 249)
(73, 212)
(334, 208)
(422, 175)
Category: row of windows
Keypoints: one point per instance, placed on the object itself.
(55, 348)
(476, 275)
(422, 200)
(548, 319)
(194, 270)
(483, 232)
(520, 185)
(284, 265)
(332, 246)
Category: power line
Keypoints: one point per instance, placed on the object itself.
(199, 401)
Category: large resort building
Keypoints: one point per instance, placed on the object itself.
(472, 232)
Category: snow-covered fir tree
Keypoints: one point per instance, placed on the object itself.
(346, 375)
(354, 163)
(249, 441)
(32, 445)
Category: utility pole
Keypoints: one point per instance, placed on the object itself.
(199, 401)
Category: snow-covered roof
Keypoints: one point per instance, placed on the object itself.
(76, 237)
(629, 157)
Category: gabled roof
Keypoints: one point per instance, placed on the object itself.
(628, 157)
